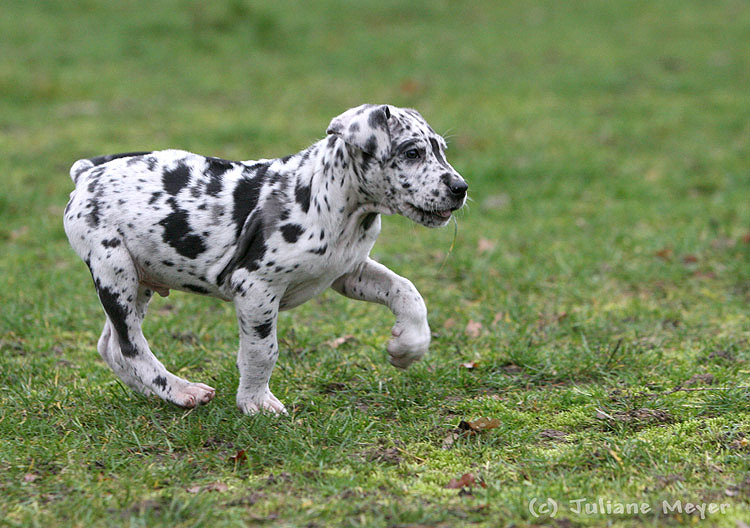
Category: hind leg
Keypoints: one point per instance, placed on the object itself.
(126, 350)
(109, 349)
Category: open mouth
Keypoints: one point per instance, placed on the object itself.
(438, 215)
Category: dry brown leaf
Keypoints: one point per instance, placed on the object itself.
(216, 486)
(335, 343)
(239, 457)
(746, 238)
(469, 365)
(664, 253)
(473, 328)
(689, 259)
(499, 316)
(467, 480)
(481, 424)
(485, 245)
(194, 489)
(30, 477)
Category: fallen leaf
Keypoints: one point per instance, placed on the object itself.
(194, 489)
(335, 343)
(30, 477)
(449, 323)
(216, 486)
(484, 424)
(485, 245)
(469, 365)
(746, 238)
(473, 328)
(467, 480)
(239, 457)
(689, 259)
(479, 425)
(664, 253)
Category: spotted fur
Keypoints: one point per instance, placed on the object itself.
(267, 234)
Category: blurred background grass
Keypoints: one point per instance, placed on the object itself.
(606, 245)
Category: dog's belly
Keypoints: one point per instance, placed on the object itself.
(301, 292)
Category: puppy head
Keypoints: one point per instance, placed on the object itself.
(401, 162)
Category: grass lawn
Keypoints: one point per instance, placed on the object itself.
(593, 300)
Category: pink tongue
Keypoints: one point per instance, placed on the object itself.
(444, 214)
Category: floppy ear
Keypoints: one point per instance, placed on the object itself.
(366, 128)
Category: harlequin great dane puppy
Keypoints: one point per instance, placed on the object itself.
(267, 234)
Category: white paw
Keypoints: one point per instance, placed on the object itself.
(193, 394)
(408, 344)
(265, 402)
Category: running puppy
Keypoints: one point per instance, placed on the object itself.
(267, 235)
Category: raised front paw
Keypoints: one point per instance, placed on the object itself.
(265, 401)
(408, 344)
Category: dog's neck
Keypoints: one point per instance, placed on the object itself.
(340, 202)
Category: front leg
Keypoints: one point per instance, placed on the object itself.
(257, 311)
(373, 282)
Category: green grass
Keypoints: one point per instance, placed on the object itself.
(605, 254)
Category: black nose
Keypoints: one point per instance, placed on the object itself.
(456, 185)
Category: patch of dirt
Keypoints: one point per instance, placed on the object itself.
(185, 337)
(722, 353)
(645, 415)
(247, 500)
(139, 508)
(281, 478)
(391, 454)
(511, 369)
(333, 387)
(666, 480)
(553, 435)
(700, 379)
(641, 416)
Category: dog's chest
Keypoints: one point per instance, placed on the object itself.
(316, 272)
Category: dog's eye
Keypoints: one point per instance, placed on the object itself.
(412, 154)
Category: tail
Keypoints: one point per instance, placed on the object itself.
(82, 165)
(79, 167)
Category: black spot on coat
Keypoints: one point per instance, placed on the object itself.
(368, 220)
(251, 247)
(302, 196)
(118, 314)
(291, 232)
(216, 169)
(246, 194)
(178, 235)
(111, 243)
(176, 179)
(263, 330)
